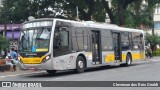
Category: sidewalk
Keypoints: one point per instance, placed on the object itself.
(153, 58)
(17, 72)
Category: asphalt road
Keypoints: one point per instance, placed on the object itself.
(147, 70)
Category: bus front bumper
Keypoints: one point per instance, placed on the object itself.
(43, 66)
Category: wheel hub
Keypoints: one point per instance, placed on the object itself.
(129, 61)
(80, 64)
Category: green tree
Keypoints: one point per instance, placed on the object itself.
(82, 6)
(130, 13)
(126, 13)
(3, 43)
(140, 13)
(153, 40)
(20, 10)
(86, 9)
(118, 10)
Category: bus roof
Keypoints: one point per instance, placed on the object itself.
(92, 24)
(41, 19)
(103, 25)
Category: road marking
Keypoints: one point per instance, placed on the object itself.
(20, 74)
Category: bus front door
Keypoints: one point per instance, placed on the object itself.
(117, 46)
(96, 55)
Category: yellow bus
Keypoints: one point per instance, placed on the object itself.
(55, 44)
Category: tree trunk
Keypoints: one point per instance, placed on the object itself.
(122, 6)
(153, 47)
(108, 10)
(121, 13)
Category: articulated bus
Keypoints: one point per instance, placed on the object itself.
(57, 44)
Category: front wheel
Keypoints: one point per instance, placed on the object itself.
(128, 60)
(51, 72)
(80, 64)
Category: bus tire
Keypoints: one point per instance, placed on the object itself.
(80, 64)
(128, 60)
(51, 72)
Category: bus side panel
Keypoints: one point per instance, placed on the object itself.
(124, 55)
(65, 62)
(89, 59)
(108, 57)
(137, 55)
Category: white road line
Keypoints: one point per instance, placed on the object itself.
(20, 74)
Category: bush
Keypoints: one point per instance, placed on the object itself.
(4, 43)
(156, 53)
(153, 40)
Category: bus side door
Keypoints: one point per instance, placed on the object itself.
(117, 46)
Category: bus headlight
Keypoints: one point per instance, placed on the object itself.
(46, 58)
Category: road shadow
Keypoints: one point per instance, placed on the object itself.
(71, 72)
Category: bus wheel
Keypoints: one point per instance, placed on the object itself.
(128, 60)
(51, 72)
(80, 64)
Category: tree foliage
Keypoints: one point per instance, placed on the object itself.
(140, 13)
(3, 43)
(128, 13)
(87, 10)
(153, 40)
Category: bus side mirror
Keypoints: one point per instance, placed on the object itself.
(141, 35)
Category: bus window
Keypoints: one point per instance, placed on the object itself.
(107, 42)
(61, 41)
(64, 38)
(136, 40)
(125, 40)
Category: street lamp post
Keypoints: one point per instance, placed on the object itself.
(12, 31)
(153, 22)
(77, 12)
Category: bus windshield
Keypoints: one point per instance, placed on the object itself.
(35, 40)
